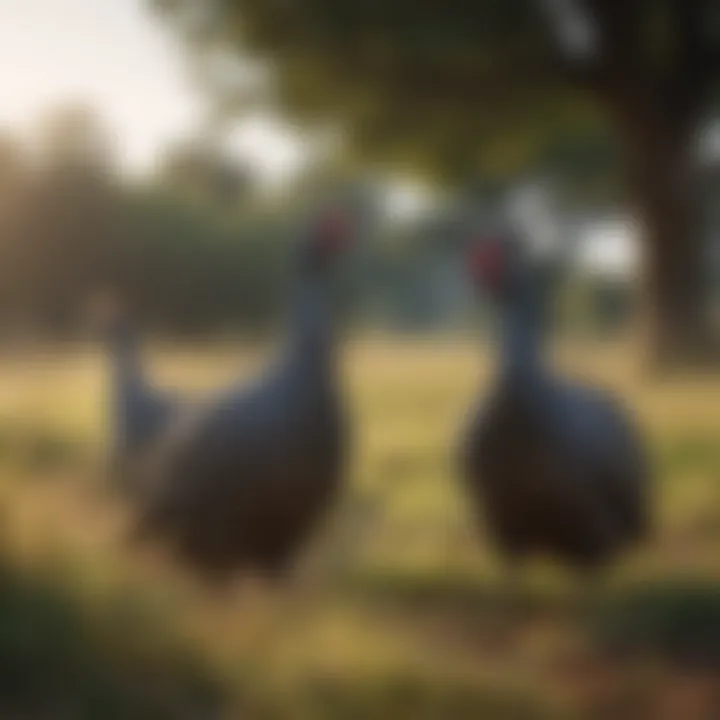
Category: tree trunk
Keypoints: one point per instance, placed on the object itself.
(663, 175)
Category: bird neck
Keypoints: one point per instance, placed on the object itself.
(312, 327)
(125, 362)
(523, 334)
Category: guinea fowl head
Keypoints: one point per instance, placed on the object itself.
(109, 316)
(330, 236)
(518, 283)
(495, 266)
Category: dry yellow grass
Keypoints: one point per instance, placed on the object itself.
(395, 611)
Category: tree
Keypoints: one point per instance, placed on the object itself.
(460, 88)
(13, 177)
(64, 216)
(73, 138)
(207, 174)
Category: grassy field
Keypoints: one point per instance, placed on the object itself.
(398, 610)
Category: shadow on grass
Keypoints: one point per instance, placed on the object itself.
(676, 620)
(37, 449)
(457, 593)
(61, 660)
(401, 697)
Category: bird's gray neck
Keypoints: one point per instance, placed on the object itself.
(125, 362)
(523, 335)
(312, 332)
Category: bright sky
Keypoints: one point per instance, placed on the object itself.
(114, 55)
(609, 246)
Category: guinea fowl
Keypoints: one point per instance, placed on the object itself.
(554, 467)
(139, 412)
(243, 483)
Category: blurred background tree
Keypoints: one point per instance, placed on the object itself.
(461, 90)
(64, 215)
(204, 173)
(182, 246)
(198, 247)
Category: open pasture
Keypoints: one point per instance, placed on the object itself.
(399, 608)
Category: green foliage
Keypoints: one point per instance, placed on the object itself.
(180, 250)
(204, 174)
(460, 88)
(190, 266)
(453, 89)
(679, 620)
(181, 264)
(190, 253)
(58, 657)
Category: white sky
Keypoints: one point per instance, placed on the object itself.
(609, 246)
(115, 56)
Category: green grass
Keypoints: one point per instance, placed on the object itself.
(399, 609)
(678, 620)
(61, 656)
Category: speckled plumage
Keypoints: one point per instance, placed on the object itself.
(551, 466)
(242, 483)
(556, 470)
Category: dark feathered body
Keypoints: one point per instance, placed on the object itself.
(244, 482)
(241, 483)
(556, 469)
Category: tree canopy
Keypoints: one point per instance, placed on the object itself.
(458, 88)
(465, 89)
(452, 88)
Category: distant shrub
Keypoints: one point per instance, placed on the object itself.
(679, 621)
(57, 659)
